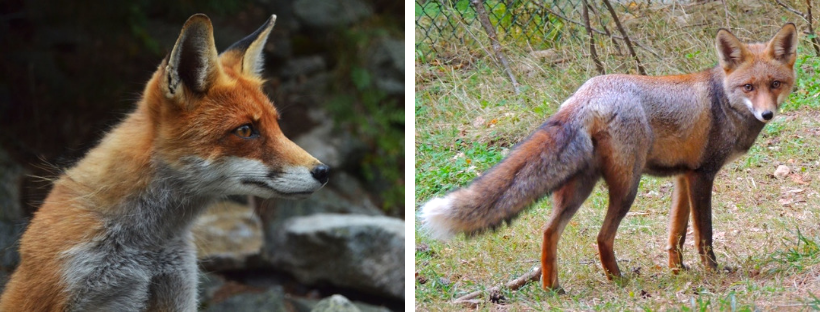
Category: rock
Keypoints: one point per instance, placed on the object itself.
(12, 219)
(386, 63)
(367, 252)
(10, 233)
(209, 283)
(334, 148)
(226, 235)
(330, 13)
(11, 178)
(304, 66)
(307, 305)
(343, 195)
(781, 171)
(335, 303)
(270, 301)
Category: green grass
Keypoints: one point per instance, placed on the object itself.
(467, 119)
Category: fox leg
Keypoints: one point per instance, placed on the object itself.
(700, 195)
(566, 201)
(678, 220)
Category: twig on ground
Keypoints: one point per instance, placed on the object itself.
(641, 69)
(488, 27)
(531, 276)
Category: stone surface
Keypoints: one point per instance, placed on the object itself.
(386, 63)
(307, 305)
(335, 303)
(209, 284)
(11, 177)
(269, 301)
(365, 253)
(226, 235)
(330, 13)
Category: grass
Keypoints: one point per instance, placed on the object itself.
(467, 118)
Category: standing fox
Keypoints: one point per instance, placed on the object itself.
(618, 127)
(114, 233)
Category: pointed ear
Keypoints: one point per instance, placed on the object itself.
(245, 55)
(193, 61)
(731, 52)
(783, 46)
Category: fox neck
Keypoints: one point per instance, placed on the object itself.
(131, 189)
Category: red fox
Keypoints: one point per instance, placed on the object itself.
(114, 233)
(618, 127)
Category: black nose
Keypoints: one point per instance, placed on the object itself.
(767, 115)
(320, 173)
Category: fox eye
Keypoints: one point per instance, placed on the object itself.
(775, 84)
(748, 87)
(246, 131)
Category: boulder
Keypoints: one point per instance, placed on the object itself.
(272, 300)
(386, 64)
(227, 235)
(365, 253)
(308, 305)
(330, 13)
(335, 303)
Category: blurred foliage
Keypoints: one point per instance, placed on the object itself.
(372, 115)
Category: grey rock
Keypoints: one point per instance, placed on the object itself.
(209, 283)
(227, 235)
(386, 63)
(333, 147)
(10, 233)
(11, 177)
(367, 252)
(269, 301)
(307, 305)
(330, 13)
(335, 303)
(304, 66)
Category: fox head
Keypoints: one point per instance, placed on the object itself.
(758, 76)
(214, 126)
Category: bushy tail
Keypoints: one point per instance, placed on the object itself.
(536, 167)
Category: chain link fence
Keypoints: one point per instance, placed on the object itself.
(446, 25)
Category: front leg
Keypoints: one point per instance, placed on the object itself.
(700, 196)
(174, 285)
(678, 220)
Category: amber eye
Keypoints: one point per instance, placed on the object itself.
(775, 84)
(245, 132)
(748, 87)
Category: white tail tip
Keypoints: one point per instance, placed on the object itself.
(435, 218)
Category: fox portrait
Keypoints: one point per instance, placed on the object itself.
(114, 233)
(619, 127)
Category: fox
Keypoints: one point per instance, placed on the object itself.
(618, 127)
(114, 233)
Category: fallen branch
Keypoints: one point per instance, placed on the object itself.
(488, 27)
(531, 276)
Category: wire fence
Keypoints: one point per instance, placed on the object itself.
(445, 25)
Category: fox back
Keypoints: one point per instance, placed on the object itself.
(114, 232)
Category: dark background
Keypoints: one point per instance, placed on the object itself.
(71, 70)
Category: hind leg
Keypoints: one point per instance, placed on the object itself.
(621, 195)
(678, 220)
(566, 202)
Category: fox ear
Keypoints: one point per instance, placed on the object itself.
(783, 46)
(731, 52)
(246, 55)
(193, 61)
